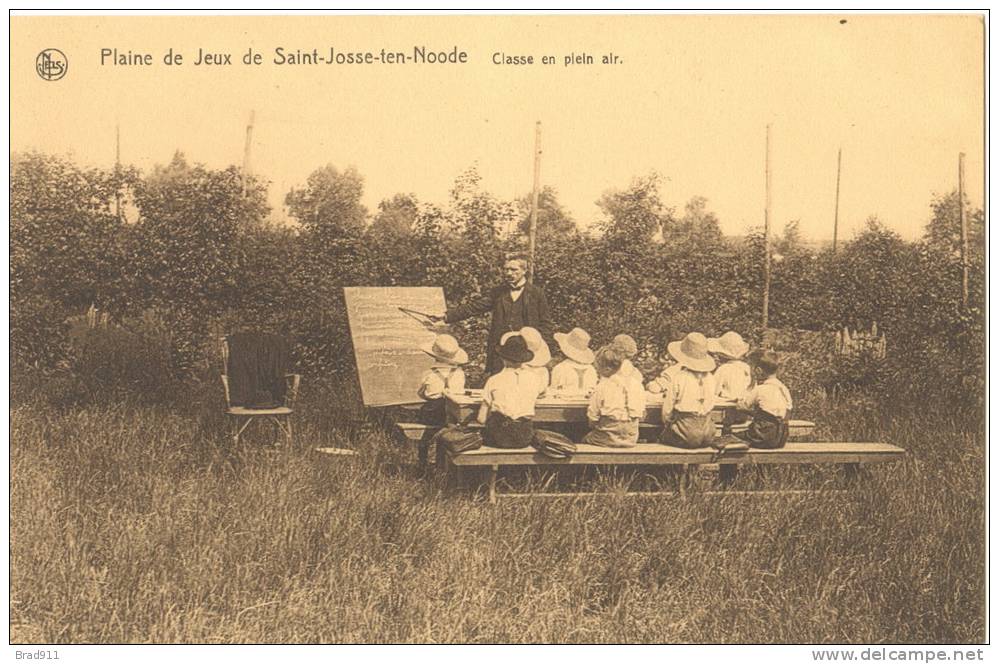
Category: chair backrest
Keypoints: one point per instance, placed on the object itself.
(254, 370)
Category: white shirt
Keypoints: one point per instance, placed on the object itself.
(629, 371)
(688, 392)
(570, 378)
(440, 380)
(770, 396)
(618, 398)
(542, 373)
(659, 383)
(517, 291)
(733, 379)
(513, 392)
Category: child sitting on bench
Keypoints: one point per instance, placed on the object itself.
(616, 406)
(542, 355)
(769, 402)
(733, 376)
(689, 394)
(507, 409)
(625, 346)
(445, 376)
(574, 376)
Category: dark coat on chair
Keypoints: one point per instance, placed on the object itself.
(530, 310)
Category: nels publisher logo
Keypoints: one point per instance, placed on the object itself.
(51, 64)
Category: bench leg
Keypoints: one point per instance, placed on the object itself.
(683, 479)
(493, 471)
(727, 472)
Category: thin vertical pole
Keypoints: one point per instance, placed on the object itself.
(766, 241)
(532, 233)
(839, 167)
(964, 230)
(246, 154)
(117, 170)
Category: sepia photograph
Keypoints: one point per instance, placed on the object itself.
(440, 327)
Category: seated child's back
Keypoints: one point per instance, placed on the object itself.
(616, 406)
(508, 398)
(769, 402)
(574, 376)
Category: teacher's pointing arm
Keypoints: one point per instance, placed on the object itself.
(479, 305)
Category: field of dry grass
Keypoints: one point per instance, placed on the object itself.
(137, 524)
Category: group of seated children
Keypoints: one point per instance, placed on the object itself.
(690, 388)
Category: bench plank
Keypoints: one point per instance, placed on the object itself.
(657, 454)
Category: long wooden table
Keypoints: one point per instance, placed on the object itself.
(555, 409)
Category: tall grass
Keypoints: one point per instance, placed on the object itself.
(143, 524)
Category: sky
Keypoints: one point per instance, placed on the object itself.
(690, 97)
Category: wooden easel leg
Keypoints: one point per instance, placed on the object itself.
(493, 471)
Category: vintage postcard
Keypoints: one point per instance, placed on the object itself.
(523, 328)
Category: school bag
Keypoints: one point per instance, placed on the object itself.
(553, 445)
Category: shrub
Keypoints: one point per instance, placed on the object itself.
(39, 331)
(124, 363)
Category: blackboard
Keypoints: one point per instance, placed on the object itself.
(388, 331)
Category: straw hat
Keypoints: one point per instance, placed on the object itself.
(445, 348)
(514, 349)
(692, 352)
(730, 344)
(575, 345)
(536, 344)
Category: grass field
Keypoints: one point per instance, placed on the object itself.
(141, 524)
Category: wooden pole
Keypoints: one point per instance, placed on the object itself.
(246, 154)
(964, 230)
(766, 241)
(839, 166)
(532, 234)
(117, 170)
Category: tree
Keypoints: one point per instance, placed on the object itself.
(330, 202)
(63, 231)
(390, 240)
(634, 214)
(186, 249)
(697, 227)
(554, 221)
(943, 231)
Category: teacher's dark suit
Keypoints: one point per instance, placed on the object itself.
(529, 310)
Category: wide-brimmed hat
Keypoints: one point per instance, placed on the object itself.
(575, 345)
(536, 344)
(626, 345)
(692, 352)
(514, 349)
(444, 347)
(730, 344)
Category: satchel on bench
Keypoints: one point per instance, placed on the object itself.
(553, 445)
(458, 438)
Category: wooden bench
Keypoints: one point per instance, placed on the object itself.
(421, 434)
(848, 455)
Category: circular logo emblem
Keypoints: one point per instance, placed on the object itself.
(51, 64)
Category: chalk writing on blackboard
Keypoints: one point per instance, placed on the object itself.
(388, 326)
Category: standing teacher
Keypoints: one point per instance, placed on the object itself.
(514, 304)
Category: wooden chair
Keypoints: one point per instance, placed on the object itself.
(241, 416)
